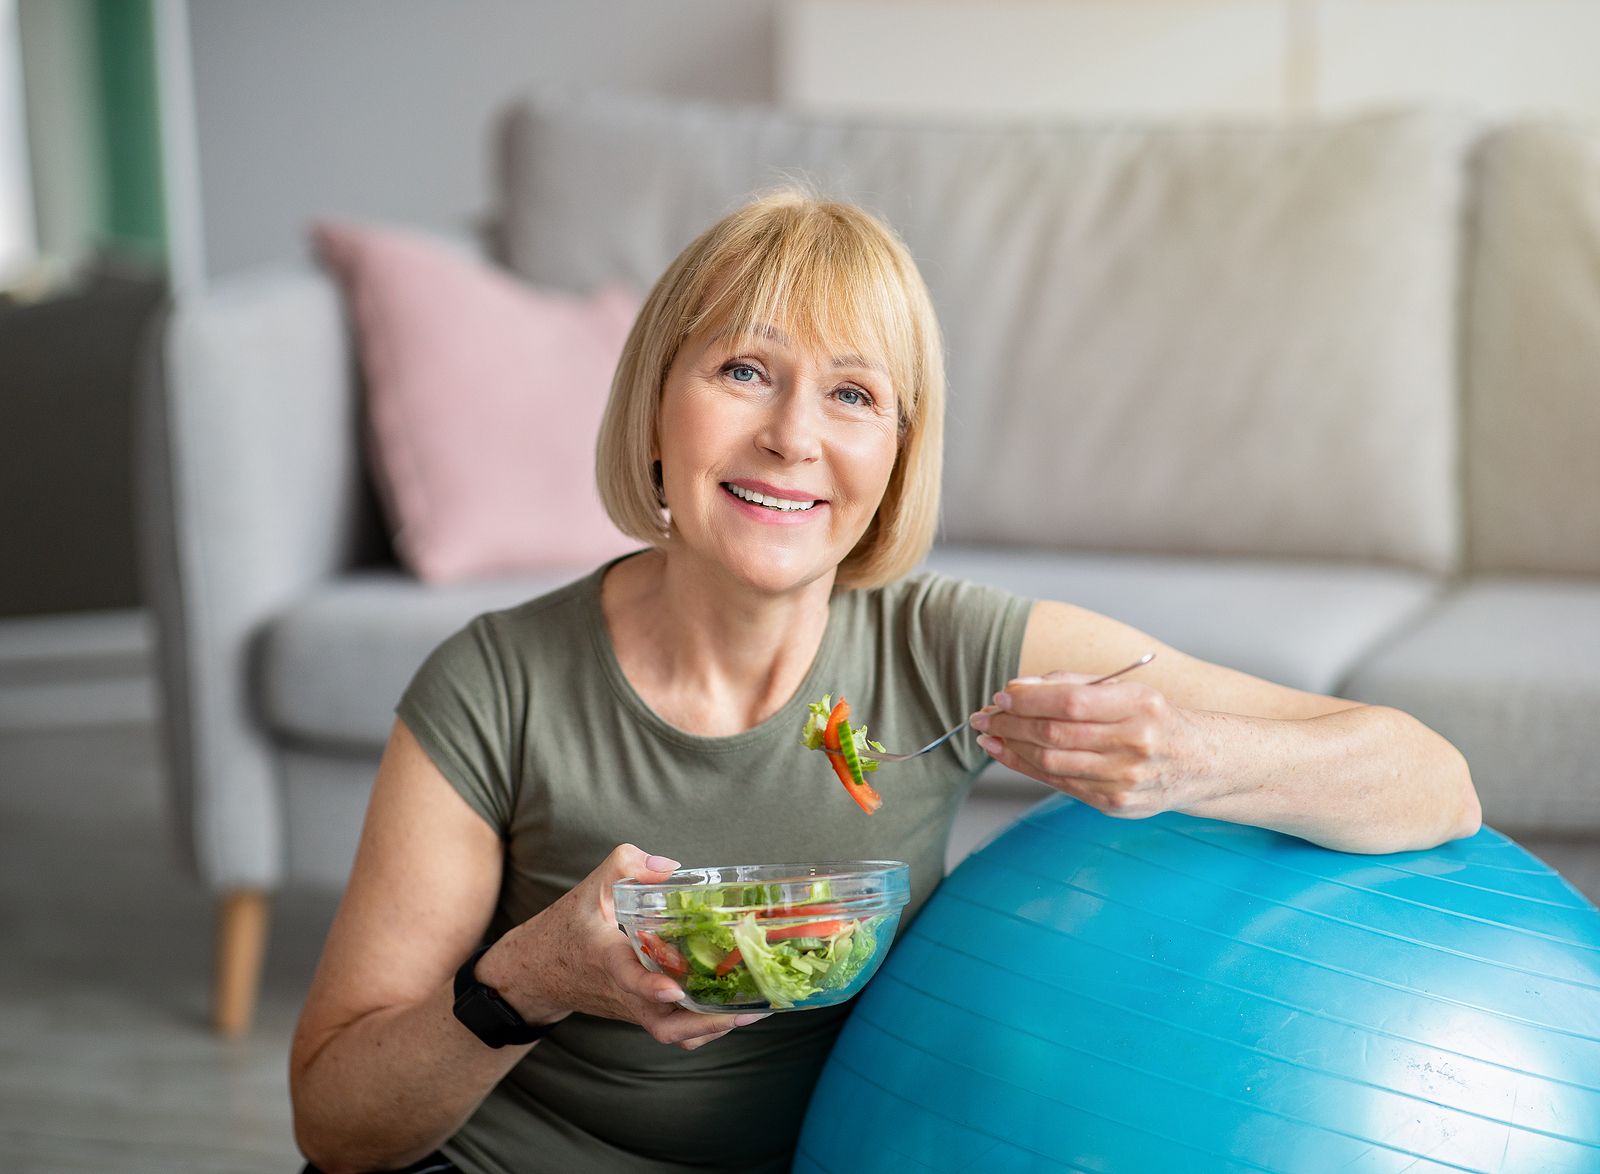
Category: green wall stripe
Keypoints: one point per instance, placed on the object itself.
(130, 122)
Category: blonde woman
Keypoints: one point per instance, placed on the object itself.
(774, 438)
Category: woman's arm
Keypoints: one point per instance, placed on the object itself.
(1185, 735)
(381, 1072)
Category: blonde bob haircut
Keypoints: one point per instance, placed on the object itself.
(831, 276)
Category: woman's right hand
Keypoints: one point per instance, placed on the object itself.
(571, 957)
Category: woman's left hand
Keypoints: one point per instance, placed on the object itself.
(1120, 747)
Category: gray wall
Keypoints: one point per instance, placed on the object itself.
(383, 109)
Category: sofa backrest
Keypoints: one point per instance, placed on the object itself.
(1532, 351)
(1217, 340)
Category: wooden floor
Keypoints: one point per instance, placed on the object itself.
(106, 1060)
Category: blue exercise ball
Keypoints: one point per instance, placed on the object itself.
(1178, 994)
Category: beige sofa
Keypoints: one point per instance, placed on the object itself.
(1318, 401)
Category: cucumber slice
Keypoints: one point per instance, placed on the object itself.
(703, 953)
(852, 758)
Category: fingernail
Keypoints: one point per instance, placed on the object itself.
(979, 721)
(660, 863)
(751, 1017)
(1002, 700)
(990, 744)
(669, 995)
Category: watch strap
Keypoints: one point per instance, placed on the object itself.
(489, 1017)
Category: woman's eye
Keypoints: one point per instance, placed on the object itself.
(854, 397)
(742, 372)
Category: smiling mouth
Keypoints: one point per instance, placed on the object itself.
(766, 501)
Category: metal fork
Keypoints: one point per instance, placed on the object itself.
(885, 756)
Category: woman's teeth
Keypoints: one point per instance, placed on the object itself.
(772, 503)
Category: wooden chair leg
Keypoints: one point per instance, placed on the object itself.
(241, 947)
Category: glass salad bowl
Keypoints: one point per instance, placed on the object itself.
(766, 937)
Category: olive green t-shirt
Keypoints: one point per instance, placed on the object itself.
(527, 713)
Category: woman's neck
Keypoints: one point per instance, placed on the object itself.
(706, 656)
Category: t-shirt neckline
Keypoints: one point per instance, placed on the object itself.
(788, 718)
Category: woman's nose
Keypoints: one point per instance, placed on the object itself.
(791, 429)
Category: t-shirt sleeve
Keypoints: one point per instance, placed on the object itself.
(459, 706)
(966, 640)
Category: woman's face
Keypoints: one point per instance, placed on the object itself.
(773, 457)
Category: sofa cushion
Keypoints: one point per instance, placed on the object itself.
(1300, 624)
(1532, 350)
(331, 667)
(1504, 669)
(1222, 339)
(484, 399)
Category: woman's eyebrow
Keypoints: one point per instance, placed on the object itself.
(850, 359)
(859, 361)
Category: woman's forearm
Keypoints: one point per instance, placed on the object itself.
(385, 1088)
(1368, 779)
(388, 1088)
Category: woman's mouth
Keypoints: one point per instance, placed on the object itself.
(768, 501)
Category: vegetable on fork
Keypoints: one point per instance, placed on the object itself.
(828, 728)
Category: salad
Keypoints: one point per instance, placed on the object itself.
(725, 953)
(828, 728)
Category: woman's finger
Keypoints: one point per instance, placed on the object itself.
(624, 862)
(1052, 733)
(1079, 767)
(1079, 703)
(1076, 776)
(628, 860)
(700, 1041)
(675, 1025)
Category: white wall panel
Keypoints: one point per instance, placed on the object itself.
(1157, 58)
(63, 125)
(1498, 57)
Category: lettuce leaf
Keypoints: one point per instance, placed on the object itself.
(737, 986)
(854, 954)
(782, 974)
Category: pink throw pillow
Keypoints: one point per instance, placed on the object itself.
(484, 398)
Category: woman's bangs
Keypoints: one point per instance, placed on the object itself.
(826, 288)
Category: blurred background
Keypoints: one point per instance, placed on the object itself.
(148, 146)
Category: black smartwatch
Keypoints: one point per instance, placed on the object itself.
(487, 1015)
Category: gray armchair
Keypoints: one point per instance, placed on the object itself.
(262, 551)
(251, 491)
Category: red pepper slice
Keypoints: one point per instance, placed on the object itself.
(807, 910)
(806, 929)
(664, 954)
(865, 796)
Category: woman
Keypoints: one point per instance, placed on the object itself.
(774, 434)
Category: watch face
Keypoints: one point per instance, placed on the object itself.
(489, 1017)
(475, 1010)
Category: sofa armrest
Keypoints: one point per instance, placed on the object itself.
(250, 491)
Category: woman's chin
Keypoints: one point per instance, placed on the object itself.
(776, 571)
